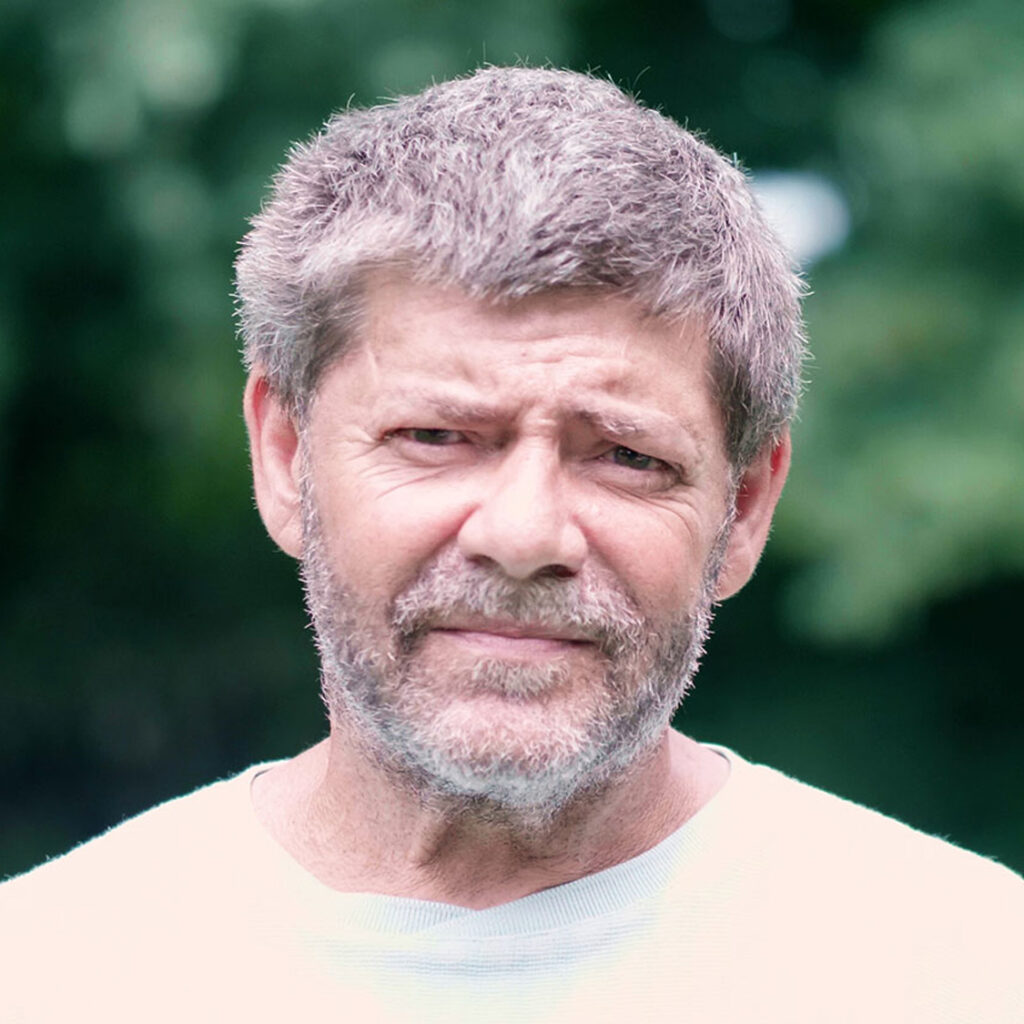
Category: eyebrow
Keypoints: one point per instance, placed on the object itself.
(652, 428)
(620, 424)
(457, 409)
(615, 422)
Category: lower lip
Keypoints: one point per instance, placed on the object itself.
(502, 643)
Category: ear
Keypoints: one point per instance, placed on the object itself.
(759, 490)
(276, 463)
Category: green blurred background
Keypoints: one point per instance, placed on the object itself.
(152, 639)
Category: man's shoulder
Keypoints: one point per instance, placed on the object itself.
(812, 826)
(785, 902)
(825, 823)
(144, 853)
(820, 861)
(148, 921)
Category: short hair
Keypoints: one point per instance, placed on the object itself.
(510, 182)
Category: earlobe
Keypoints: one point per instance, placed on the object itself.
(276, 468)
(758, 493)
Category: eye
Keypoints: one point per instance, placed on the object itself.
(435, 436)
(623, 456)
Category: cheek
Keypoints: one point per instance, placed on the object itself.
(656, 555)
(380, 541)
(663, 580)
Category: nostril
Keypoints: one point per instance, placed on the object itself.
(484, 561)
(552, 572)
(558, 572)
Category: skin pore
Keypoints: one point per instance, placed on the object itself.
(560, 445)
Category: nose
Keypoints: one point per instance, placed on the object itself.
(523, 523)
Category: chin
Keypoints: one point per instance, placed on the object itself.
(504, 775)
(511, 752)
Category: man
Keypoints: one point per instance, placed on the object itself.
(522, 358)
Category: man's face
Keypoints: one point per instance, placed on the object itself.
(513, 521)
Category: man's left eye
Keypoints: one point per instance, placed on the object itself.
(623, 456)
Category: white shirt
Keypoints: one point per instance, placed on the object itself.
(776, 903)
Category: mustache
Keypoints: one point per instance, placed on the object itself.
(593, 606)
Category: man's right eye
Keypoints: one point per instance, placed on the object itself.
(431, 435)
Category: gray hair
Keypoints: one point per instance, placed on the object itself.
(511, 182)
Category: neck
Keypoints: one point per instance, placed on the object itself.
(358, 829)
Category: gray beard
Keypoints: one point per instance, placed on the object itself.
(375, 687)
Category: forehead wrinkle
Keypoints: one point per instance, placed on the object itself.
(373, 361)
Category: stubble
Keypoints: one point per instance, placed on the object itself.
(592, 715)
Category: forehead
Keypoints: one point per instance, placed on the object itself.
(596, 339)
(393, 302)
(557, 358)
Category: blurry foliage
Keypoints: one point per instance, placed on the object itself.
(151, 638)
(911, 467)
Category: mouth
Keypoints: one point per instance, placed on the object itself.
(516, 638)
